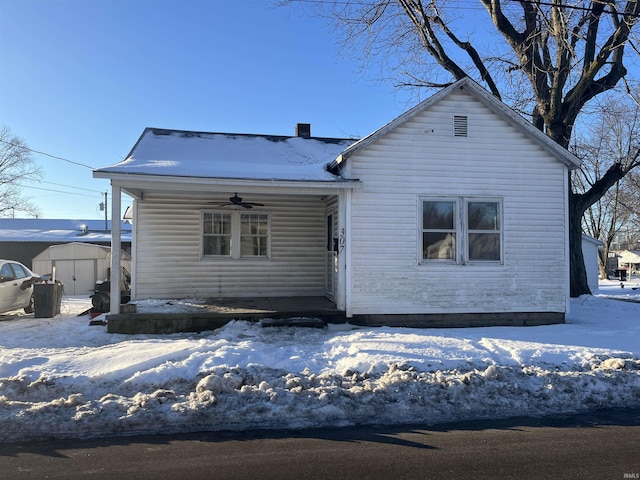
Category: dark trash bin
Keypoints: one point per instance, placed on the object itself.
(47, 298)
(623, 275)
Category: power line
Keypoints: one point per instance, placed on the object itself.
(47, 154)
(57, 191)
(463, 7)
(70, 186)
(576, 7)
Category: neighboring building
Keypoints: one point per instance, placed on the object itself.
(78, 265)
(455, 213)
(21, 239)
(627, 261)
(591, 254)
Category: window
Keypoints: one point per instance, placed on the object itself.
(461, 230)
(254, 233)
(234, 234)
(438, 230)
(483, 231)
(216, 230)
(6, 273)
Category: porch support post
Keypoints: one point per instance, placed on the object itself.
(344, 272)
(567, 248)
(116, 248)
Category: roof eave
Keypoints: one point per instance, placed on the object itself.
(142, 180)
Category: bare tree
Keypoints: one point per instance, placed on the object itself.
(608, 139)
(547, 59)
(16, 165)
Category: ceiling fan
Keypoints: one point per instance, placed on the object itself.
(236, 200)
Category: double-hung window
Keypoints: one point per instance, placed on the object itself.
(439, 220)
(461, 230)
(483, 231)
(235, 234)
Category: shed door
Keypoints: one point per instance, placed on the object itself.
(78, 276)
(332, 254)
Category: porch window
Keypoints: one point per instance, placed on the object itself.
(254, 234)
(235, 235)
(461, 230)
(216, 230)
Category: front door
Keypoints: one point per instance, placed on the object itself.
(331, 254)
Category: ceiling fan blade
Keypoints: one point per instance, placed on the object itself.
(236, 200)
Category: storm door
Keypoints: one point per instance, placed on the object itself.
(331, 253)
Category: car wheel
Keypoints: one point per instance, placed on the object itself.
(29, 308)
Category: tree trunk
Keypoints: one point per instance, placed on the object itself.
(578, 271)
(578, 204)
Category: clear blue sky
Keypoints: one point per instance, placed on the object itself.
(81, 79)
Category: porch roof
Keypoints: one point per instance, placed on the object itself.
(178, 154)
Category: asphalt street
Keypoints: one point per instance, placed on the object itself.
(600, 445)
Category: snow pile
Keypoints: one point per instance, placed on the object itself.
(63, 378)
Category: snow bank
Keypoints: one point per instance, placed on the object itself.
(63, 378)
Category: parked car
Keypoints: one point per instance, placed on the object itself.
(16, 286)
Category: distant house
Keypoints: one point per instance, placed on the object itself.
(454, 213)
(21, 239)
(629, 261)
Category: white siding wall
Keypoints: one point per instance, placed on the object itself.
(422, 158)
(170, 265)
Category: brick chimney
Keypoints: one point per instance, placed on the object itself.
(303, 130)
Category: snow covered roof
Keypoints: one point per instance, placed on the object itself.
(52, 230)
(179, 153)
(629, 256)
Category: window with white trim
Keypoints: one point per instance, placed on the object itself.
(235, 234)
(483, 231)
(461, 230)
(439, 230)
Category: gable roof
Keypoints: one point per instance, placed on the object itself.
(487, 99)
(180, 153)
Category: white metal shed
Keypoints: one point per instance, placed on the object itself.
(77, 265)
(590, 247)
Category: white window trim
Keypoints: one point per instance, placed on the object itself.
(500, 231)
(457, 214)
(461, 230)
(235, 236)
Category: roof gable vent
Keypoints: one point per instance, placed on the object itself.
(460, 126)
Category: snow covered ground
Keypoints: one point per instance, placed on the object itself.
(62, 378)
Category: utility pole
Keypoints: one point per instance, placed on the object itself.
(106, 222)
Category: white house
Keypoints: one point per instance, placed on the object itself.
(629, 260)
(454, 213)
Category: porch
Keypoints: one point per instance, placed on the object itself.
(172, 316)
